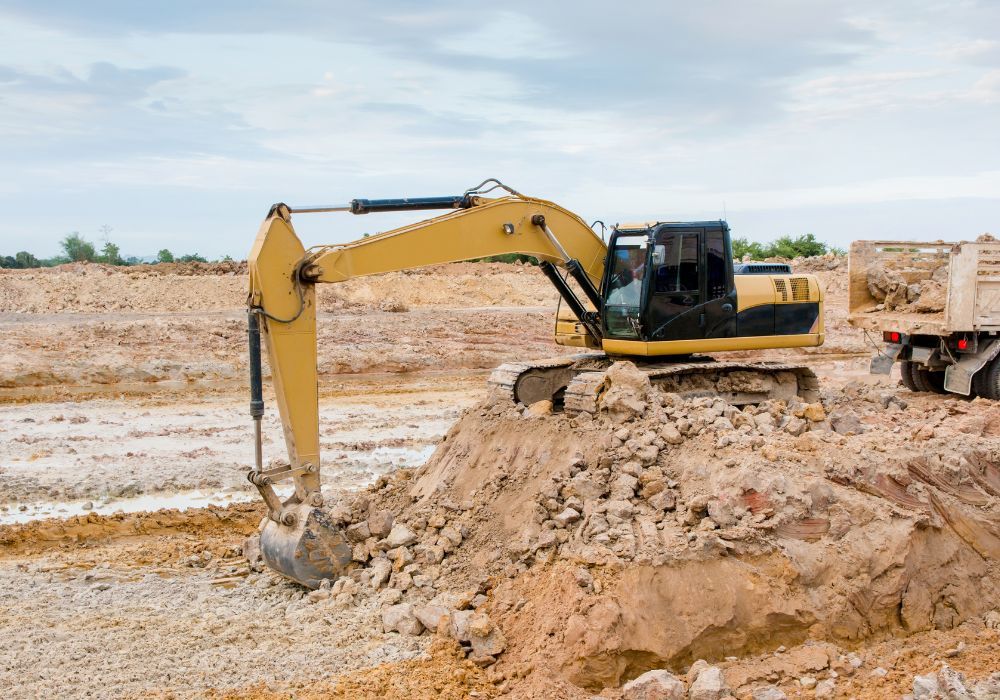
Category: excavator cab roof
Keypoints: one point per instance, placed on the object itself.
(649, 225)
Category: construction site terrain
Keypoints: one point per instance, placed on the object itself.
(845, 548)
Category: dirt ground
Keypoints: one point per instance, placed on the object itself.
(124, 506)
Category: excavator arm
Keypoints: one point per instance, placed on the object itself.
(299, 540)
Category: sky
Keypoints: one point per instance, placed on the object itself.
(178, 124)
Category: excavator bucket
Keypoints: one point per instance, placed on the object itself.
(309, 550)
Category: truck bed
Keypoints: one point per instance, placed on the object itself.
(916, 287)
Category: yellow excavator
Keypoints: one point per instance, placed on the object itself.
(657, 293)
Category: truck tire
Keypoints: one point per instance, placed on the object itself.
(933, 381)
(986, 382)
(906, 374)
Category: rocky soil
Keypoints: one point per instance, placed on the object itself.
(658, 548)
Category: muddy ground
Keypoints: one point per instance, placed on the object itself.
(124, 508)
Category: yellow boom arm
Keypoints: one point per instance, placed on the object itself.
(282, 297)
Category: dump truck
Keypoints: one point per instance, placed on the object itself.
(659, 293)
(934, 308)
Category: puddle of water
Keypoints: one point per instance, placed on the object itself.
(40, 510)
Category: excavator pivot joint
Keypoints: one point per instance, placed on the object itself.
(311, 273)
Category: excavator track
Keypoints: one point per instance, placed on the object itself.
(528, 382)
(576, 383)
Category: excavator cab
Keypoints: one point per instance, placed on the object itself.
(670, 281)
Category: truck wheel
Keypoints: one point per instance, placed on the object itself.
(933, 381)
(906, 374)
(986, 382)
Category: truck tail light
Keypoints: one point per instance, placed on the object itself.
(892, 336)
(963, 343)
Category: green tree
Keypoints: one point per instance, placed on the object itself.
(77, 248)
(111, 254)
(805, 246)
(8, 262)
(165, 256)
(742, 246)
(191, 257)
(26, 259)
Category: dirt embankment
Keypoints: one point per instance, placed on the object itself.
(94, 288)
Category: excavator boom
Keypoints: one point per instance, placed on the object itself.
(282, 304)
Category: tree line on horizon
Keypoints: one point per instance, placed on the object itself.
(76, 248)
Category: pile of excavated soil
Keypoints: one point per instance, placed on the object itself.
(661, 531)
(88, 287)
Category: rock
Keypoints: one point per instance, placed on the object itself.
(952, 653)
(381, 569)
(796, 426)
(952, 683)
(655, 685)
(583, 577)
(485, 637)
(433, 616)
(360, 553)
(846, 424)
(430, 554)
(647, 454)
(400, 618)
(460, 625)
(769, 692)
(622, 509)
(624, 487)
(814, 412)
(925, 688)
(584, 487)
(709, 685)
(358, 532)
(987, 688)
(567, 517)
(826, 689)
(380, 523)
(89, 505)
(400, 536)
(539, 409)
(251, 551)
(453, 536)
(401, 580)
(628, 388)
(807, 682)
(664, 500)
(671, 435)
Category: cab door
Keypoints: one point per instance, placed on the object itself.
(691, 292)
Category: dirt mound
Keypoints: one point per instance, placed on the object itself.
(660, 531)
(173, 287)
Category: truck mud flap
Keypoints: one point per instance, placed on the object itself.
(883, 360)
(958, 377)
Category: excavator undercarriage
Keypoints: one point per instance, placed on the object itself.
(574, 384)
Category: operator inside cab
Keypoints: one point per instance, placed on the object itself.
(627, 276)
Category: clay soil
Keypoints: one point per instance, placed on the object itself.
(124, 509)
